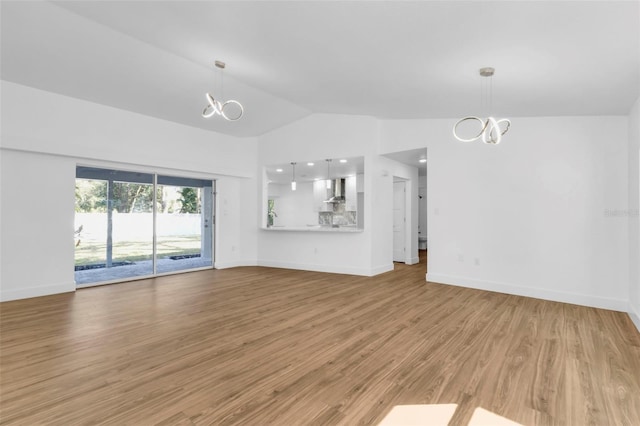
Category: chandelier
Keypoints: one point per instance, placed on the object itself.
(491, 130)
(293, 177)
(328, 160)
(230, 110)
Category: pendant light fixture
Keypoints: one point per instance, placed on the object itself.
(219, 107)
(328, 173)
(293, 179)
(491, 130)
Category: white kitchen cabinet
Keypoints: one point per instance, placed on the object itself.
(350, 196)
(320, 195)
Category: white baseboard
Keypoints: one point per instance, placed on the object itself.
(234, 264)
(29, 292)
(620, 305)
(377, 270)
(634, 314)
(412, 260)
(327, 268)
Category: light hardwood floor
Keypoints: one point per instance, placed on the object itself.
(260, 346)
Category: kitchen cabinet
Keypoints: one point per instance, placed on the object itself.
(350, 196)
(320, 194)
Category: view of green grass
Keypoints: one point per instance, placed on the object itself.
(89, 252)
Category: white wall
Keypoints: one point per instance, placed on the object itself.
(527, 216)
(325, 136)
(37, 225)
(634, 209)
(41, 150)
(236, 233)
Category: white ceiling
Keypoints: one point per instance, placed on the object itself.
(411, 157)
(288, 59)
(308, 171)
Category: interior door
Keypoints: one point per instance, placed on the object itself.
(399, 219)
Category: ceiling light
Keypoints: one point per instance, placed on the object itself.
(343, 161)
(293, 181)
(490, 129)
(309, 164)
(422, 160)
(216, 106)
(279, 170)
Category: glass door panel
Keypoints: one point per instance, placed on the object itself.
(132, 229)
(90, 228)
(184, 238)
(113, 225)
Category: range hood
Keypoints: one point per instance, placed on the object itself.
(337, 191)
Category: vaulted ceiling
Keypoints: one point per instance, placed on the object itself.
(286, 60)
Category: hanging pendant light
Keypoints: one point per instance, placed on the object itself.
(328, 173)
(218, 107)
(293, 179)
(491, 130)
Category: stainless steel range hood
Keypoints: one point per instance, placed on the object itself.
(337, 191)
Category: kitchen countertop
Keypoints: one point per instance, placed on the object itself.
(314, 228)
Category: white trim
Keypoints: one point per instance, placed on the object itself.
(412, 260)
(235, 264)
(620, 305)
(142, 277)
(139, 168)
(46, 290)
(327, 268)
(634, 315)
(377, 270)
(126, 166)
(115, 281)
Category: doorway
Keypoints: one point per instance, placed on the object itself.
(423, 242)
(399, 221)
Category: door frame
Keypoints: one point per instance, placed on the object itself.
(154, 174)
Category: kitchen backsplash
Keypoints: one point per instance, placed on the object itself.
(344, 217)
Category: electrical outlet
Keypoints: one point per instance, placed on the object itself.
(477, 261)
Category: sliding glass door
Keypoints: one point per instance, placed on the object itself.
(124, 228)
